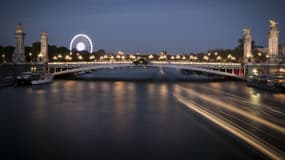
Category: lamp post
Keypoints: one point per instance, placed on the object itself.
(150, 57)
(3, 57)
(40, 56)
(59, 57)
(206, 58)
(92, 57)
(31, 58)
(80, 57)
(54, 58)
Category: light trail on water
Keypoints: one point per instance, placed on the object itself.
(229, 125)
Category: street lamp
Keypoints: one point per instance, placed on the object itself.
(80, 57)
(206, 58)
(219, 58)
(30, 55)
(105, 57)
(3, 57)
(40, 56)
(112, 57)
(59, 57)
(67, 58)
(118, 57)
(177, 56)
(54, 58)
(92, 57)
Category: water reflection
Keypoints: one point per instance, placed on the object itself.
(143, 118)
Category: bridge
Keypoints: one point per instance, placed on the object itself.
(233, 70)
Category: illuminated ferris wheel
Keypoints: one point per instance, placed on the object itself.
(81, 42)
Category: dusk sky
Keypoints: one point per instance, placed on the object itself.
(177, 26)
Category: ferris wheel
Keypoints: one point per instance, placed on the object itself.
(81, 42)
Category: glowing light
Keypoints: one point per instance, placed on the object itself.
(80, 46)
(254, 71)
(206, 58)
(54, 58)
(92, 57)
(59, 56)
(177, 56)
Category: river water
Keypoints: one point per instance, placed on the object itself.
(141, 120)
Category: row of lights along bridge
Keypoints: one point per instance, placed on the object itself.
(120, 56)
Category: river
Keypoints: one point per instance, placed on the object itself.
(71, 119)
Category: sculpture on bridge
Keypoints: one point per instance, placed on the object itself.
(246, 31)
(273, 23)
(19, 28)
(247, 55)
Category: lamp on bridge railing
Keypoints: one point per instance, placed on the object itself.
(68, 58)
(183, 58)
(30, 56)
(132, 57)
(112, 57)
(191, 58)
(80, 57)
(54, 58)
(105, 57)
(205, 58)
(120, 53)
(40, 56)
(101, 58)
(118, 57)
(3, 58)
(150, 57)
(92, 57)
(178, 57)
(172, 58)
(219, 58)
(59, 57)
(162, 57)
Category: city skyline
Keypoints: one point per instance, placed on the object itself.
(148, 26)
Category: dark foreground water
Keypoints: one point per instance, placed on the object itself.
(129, 120)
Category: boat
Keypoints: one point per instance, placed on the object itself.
(44, 79)
(7, 81)
(24, 78)
(273, 83)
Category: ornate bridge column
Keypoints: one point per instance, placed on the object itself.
(19, 53)
(273, 36)
(43, 56)
(247, 55)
